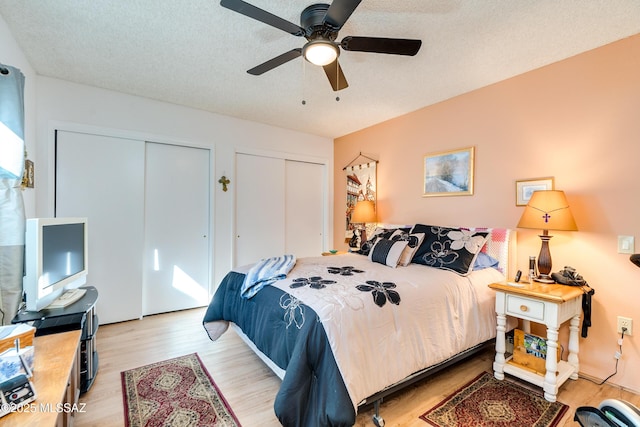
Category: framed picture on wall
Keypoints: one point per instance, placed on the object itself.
(449, 173)
(526, 187)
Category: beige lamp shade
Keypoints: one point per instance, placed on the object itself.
(363, 212)
(548, 210)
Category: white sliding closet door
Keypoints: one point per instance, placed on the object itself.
(280, 208)
(148, 209)
(304, 184)
(260, 210)
(176, 255)
(102, 178)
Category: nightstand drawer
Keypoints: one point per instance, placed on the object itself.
(525, 308)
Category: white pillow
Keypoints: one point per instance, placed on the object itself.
(387, 251)
(413, 243)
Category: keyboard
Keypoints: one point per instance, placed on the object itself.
(67, 298)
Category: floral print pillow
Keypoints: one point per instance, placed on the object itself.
(448, 248)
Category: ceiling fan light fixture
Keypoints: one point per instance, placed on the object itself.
(320, 52)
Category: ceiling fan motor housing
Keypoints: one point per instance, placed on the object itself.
(312, 20)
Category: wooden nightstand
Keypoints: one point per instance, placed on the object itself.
(551, 305)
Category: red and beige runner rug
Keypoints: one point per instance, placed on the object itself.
(175, 392)
(488, 402)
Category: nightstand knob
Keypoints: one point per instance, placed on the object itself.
(524, 308)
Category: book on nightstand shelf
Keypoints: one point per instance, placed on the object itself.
(530, 351)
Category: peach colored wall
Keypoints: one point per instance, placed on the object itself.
(577, 120)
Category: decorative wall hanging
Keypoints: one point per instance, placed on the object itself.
(526, 187)
(224, 181)
(361, 185)
(449, 173)
(28, 177)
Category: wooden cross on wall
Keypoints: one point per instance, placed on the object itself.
(224, 181)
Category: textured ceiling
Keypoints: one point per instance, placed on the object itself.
(196, 53)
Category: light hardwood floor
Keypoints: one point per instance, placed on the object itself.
(250, 387)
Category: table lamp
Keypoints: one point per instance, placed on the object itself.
(363, 212)
(547, 210)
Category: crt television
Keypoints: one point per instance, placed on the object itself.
(56, 259)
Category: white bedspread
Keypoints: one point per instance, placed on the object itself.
(439, 315)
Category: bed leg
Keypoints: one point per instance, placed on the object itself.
(377, 419)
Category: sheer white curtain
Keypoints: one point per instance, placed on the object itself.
(12, 216)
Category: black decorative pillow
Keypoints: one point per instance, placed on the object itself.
(365, 248)
(428, 230)
(379, 233)
(449, 248)
(413, 243)
(387, 251)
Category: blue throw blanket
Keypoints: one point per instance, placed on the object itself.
(266, 272)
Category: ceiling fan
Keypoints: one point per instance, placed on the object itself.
(320, 24)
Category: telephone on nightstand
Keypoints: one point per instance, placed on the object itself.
(569, 276)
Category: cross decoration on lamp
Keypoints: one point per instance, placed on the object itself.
(363, 212)
(547, 210)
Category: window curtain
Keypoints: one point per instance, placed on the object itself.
(12, 216)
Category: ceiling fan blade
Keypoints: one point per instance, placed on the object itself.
(339, 12)
(261, 15)
(336, 76)
(381, 45)
(275, 62)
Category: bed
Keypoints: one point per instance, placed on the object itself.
(343, 331)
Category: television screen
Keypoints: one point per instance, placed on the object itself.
(62, 252)
(56, 258)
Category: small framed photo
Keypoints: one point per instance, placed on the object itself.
(449, 173)
(526, 187)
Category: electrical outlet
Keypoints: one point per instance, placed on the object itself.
(625, 322)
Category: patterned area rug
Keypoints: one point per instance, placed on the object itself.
(488, 402)
(177, 392)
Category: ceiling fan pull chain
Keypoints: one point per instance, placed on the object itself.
(337, 78)
(304, 80)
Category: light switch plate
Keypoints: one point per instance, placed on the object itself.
(625, 244)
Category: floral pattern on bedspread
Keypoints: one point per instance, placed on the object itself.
(347, 270)
(315, 282)
(381, 292)
(293, 310)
